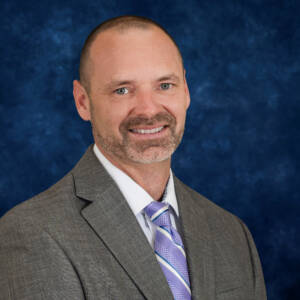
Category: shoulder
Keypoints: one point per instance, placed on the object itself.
(33, 259)
(225, 230)
(216, 216)
(59, 207)
(230, 242)
(44, 209)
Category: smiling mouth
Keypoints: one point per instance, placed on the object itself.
(147, 131)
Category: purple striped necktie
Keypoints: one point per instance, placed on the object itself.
(169, 250)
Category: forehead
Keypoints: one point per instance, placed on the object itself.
(115, 51)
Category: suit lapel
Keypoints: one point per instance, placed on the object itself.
(197, 243)
(113, 221)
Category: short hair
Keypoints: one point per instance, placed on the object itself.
(121, 23)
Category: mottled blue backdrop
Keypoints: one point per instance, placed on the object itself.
(241, 147)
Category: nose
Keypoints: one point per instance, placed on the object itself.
(146, 103)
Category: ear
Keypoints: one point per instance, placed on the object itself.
(82, 101)
(186, 88)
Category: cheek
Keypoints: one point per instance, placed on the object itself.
(109, 119)
(178, 110)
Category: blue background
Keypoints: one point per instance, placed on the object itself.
(241, 146)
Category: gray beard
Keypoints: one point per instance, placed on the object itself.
(145, 152)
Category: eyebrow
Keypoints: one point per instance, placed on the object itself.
(116, 83)
(171, 76)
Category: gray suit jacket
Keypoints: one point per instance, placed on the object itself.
(80, 240)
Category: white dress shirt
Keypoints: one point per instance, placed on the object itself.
(137, 197)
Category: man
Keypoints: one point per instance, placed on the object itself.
(120, 225)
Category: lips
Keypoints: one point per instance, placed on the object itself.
(147, 131)
(142, 127)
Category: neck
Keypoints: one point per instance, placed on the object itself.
(152, 177)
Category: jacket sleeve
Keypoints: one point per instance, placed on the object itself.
(259, 289)
(33, 266)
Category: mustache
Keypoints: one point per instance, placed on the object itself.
(164, 117)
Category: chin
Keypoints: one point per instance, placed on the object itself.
(150, 156)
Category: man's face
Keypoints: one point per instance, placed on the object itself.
(138, 95)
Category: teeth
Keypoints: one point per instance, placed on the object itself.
(147, 131)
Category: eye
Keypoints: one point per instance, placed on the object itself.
(166, 86)
(122, 91)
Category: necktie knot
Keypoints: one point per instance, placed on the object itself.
(158, 213)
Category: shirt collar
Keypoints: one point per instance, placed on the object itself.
(134, 194)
